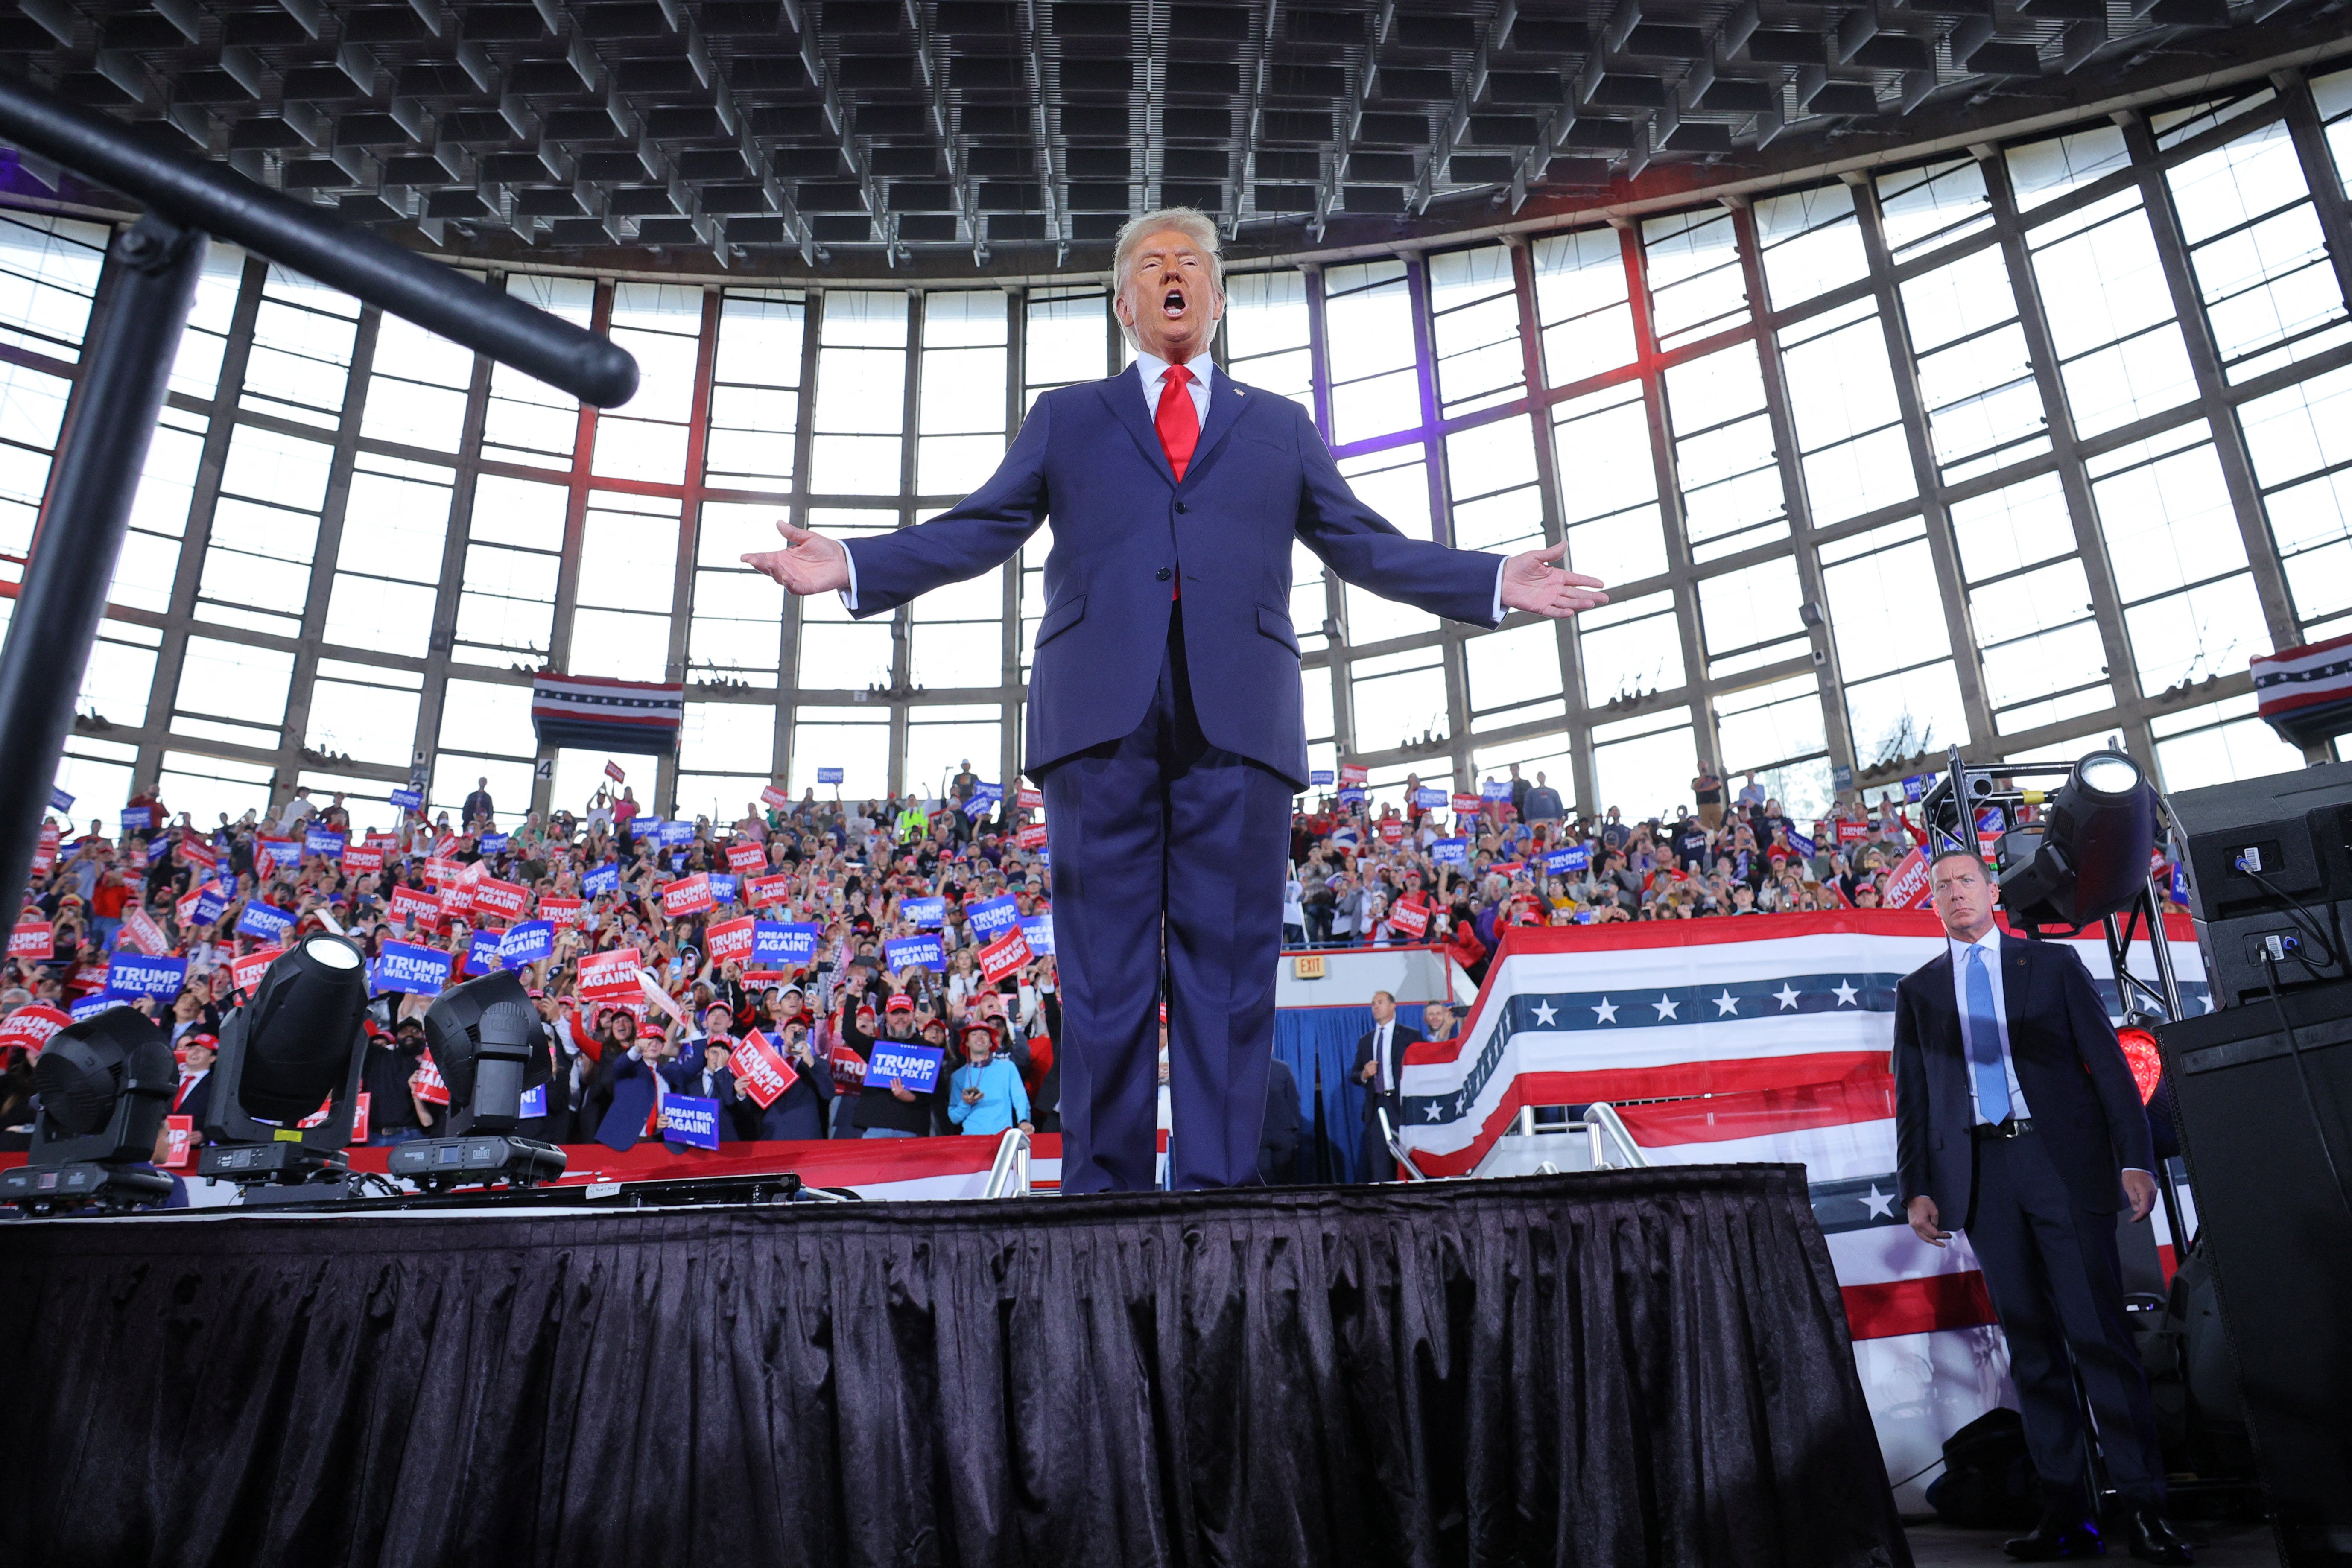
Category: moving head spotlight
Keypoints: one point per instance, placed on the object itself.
(104, 1086)
(2098, 834)
(298, 1046)
(489, 1048)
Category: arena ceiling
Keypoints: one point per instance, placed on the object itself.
(934, 137)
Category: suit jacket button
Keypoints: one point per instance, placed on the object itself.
(1181, 507)
(1164, 574)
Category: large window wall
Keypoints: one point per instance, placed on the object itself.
(2017, 451)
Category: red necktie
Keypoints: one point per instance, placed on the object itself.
(1177, 422)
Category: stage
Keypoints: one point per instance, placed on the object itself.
(1611, 1368)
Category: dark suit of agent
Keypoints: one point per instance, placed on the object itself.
(1380, 1057)
(2016, 1120)
(1164, 716)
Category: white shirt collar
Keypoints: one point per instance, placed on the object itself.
(1989, 942)
(1153, 367)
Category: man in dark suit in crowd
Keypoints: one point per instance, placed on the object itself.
(2016, 1120)
(1380, 1057)
(1277, 1144)
(1164, 716)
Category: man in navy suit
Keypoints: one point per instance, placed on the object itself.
(2016, 1120)
(1164, 717)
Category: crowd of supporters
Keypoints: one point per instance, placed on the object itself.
(852, 877)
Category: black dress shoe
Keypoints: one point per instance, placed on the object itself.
(2152, 1540)
(2057, 1537)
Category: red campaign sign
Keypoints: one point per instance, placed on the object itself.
(376, 840)
(179, 1141)
(1392, 830)
(1466, 805)
(1005, 954)
(145, 933)
(1354, 773)
(1907, 886)
(457, 899)
(565, 912)
(771, 795)
(360, 1121)
(613, 771)
(732, 943)
(443, 873)
(849, 1067)
(1410, 919)
(31, 1025)
(760, 1072)
(358, 861)
(90, 977)
(503, 899)
(197, 852)
(610, 976)
(760, 891)
(32, 939)
(245, 972)
(1030, 799)
(408, 903)
(746, 857)
(1852, 832)
(426, 1082)
(687, 896)
(1031, 836)
(44, 856)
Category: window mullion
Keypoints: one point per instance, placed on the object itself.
(442, 641)
(788, 668)
(1554, 518)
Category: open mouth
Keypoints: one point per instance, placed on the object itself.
(1173, 306)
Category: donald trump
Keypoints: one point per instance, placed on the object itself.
(1164, 714)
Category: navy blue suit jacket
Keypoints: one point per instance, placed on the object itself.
(1088, 457)
(2078, 1087)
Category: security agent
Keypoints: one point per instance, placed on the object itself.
(2016, 1116)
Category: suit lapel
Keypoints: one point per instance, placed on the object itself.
(1125, 396)
(2016, 973)
(1226, 401)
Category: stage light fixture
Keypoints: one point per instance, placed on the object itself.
(104, 1086)
(489, 1049)
(2097, 833)
(297, 1048)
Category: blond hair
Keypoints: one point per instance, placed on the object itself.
(1191, 222)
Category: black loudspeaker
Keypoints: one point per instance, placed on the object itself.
(2274, 1218)
(2293, 830)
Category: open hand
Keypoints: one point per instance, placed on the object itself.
(809, 562)
(1921, 1211)
(1534, 580)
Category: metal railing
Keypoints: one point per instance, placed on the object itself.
(1009, 1175)
(126, 368)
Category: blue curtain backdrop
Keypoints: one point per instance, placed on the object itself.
(1309, 1038)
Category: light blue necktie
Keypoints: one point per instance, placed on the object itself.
(1984, 1042)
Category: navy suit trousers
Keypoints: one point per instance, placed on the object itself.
(2056, 1282)
(1164, 843)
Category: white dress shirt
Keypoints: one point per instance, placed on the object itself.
(1381, 1036)
(1989, 945)
(1152, 374)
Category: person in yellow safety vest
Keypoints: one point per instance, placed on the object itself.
(912, 822)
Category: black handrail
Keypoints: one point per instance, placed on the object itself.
(202, 195)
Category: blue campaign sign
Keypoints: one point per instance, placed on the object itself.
(677, 859)
(677, 833)
(722, 887)
(992, 918)
(1801, 845)
(138, 819)
(1450, 852)
(1318, 776)
(409, 800)
(210, 902)
(1429, 796)
(902, 950)
(91, 1006)
(534, 1101)
(1494, 789)
(1912, 788)
(924, 911)
(60, 801)
(267, 921)
(686, 1119)
(1562, 862)
(988, 792)
(915, 1067)
(647, 827)
(776, 944)
(131, 975)
(1352, 796)
(482, 953)
(828, 775)
(405, 966)
(604, 879)
(494, 843)
(527, 943)
(323, 841)
(1037, 930)
(2180, 884)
